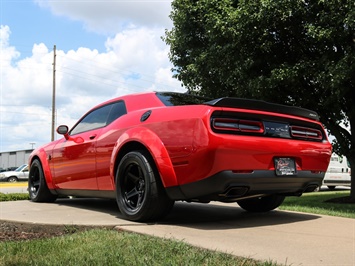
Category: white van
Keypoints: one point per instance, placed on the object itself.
(338, 173)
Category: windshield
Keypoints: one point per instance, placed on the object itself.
(21, 167)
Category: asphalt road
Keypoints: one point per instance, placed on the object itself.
(289, 238)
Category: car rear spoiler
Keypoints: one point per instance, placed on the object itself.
(263, 106)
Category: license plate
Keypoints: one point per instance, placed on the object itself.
(285, 166)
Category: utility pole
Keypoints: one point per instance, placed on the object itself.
(53, 94)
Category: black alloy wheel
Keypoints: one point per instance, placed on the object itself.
(37, 185)
(135, 187)
(140, 193)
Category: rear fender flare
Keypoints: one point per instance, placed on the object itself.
(155, 147)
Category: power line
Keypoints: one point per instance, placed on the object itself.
(116, 70)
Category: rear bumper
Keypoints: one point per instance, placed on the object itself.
(230, 186)
(337, 182)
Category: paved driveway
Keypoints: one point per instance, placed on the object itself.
(284, 237)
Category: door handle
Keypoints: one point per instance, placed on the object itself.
(92, 136)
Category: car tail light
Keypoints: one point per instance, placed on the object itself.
(306, 133)
(238, 125)
(263, 125)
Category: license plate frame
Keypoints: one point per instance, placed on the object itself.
(285, 166)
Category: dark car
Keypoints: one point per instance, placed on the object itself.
(151, 149)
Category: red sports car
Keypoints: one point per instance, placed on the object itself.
(151, 149)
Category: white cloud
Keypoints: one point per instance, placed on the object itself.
(28, 77)
(111, 16)
(141, 50)
(7, 52)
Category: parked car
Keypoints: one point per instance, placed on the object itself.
(19, 174)
(151, 149)
(338, 172)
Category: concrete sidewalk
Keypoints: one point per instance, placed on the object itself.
(288, 238)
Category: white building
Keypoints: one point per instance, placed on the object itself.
(14, 158)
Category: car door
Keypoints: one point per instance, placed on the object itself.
(24, 173)
(74, 159)
(105, 145)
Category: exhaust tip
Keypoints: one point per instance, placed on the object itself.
(235, 192)
(312, 188)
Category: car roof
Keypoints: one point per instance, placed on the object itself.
(135, 101)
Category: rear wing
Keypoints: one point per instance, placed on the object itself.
(263, 106)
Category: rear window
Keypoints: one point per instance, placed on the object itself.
(176, 99)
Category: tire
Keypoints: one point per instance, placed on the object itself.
(140, 194)
(331, 187)
(261, 204)
(37, 185)
(12, 179)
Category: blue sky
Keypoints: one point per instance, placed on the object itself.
(29, 24)
(104, 49)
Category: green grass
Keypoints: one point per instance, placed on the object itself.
(14, 196)
(110, 247)
(316, 203)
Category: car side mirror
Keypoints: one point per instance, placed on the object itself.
(63, 130)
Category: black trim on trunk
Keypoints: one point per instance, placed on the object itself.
(263, 106)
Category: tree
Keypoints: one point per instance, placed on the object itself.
(295, 52)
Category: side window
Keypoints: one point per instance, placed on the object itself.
(95, 119)
(100, 117)
(334, 159)
(118, 109)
